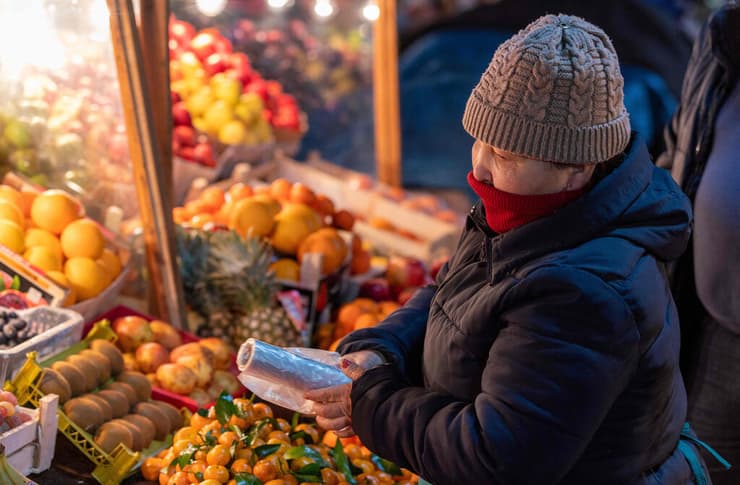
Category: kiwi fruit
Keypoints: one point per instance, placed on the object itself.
(53, 382)
(124, 388)
(117, 401)
(72, 375)
(85, 413)
(110, 434)
(146, 428)
(139, 382)
(102, 403)
(176, 419)
(101, 363)
(86, 366)
(111, 351)
(160, 420)
(137, 443)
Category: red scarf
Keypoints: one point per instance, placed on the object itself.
(505, 211)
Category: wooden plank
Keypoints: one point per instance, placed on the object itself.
(385, 94)
(154, 204)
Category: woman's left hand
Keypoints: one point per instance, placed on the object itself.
(333, 406)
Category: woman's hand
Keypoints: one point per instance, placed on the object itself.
(333, 406)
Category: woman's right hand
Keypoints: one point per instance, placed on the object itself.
(332, 405)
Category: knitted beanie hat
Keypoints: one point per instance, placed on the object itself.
(552, 92)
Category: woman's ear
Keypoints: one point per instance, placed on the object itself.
(579, 176)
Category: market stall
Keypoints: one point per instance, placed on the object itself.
(164, 200)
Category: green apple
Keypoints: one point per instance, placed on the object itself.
(217, 115)
(232, 133)
(226, 88)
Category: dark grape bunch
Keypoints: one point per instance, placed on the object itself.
(15, 330)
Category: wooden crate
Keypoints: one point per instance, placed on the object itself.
(29, 447)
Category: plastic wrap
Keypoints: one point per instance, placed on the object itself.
(283, 376)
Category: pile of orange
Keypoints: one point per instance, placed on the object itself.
(357, 314)
(296, 220)
(50, 231)
(250, 444)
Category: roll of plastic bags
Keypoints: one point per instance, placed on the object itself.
(283, 375)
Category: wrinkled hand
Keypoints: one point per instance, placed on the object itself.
(333, 406)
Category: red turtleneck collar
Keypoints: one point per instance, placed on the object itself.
(505, 211)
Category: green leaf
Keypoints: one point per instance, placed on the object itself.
(266, 450)
(16, 285)
(304, 450)
(254, 431)
(343, 463)
(185, 457)
(208, 439)
(225, 407)
(247, 479)
(301, 434)
(199, 476)
(2, 284)
(203, 412)
(310, 473)
(386, 465)
(294, 421)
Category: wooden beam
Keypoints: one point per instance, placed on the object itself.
(155, 206)
(385, 94)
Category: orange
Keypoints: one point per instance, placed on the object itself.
(348, 314)
(262, 411)
(218, 455)
(301, 194)
(227, 438)
(251, 216)
(210, 481)
(265, 470)
(11, 212)
(27, 198)
(11, 195)
(286, 269)
(59, 278)
(280, 189)
(294, 224)
(213, 198)
(217, 472)
(367, 320)
(53, 210)
(180, 215)
(82, 238)
(11, 235)
(86, 276)
(111, 262)
(367, 304)
(43, 258)
(323, 205)
(329, 244)
(179, 478)
(239, 191)
(41, 237)
(272, 203)
(150, 468)
(241, 465)
(360, 263)
(388, 307)
(343, 219)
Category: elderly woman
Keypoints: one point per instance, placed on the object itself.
(547, 351)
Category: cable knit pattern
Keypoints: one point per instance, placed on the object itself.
(552, 92)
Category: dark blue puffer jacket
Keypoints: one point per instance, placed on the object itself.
(548, 354)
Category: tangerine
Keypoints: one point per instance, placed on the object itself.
(343, 219)
(53, 210)
(11, 212)
(239, 191)
(150, 468)
(41, 237)
(367, 304)
(323, 205)
(217, 472)
(213, 198)
(43, 258)
(360, 263)
(367, 320)
(329, 244)
(11, 235)
(286, 269)
(251, 216)
(218, 455)
(281, 189)
(294, 224)
(86, 277)
(301, 194)
(348, 314)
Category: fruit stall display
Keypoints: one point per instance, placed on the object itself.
(240, 441)
(222, 107)
(26, 437)
(184, 370)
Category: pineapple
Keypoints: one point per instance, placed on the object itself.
(227, 281)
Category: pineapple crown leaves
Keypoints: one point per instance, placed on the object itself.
(223, 272)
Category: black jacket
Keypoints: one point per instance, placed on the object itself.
(712, 72)
(548, 354)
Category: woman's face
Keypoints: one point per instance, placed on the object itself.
(518, 175)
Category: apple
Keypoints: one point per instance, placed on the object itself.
(203, 154)
(175, 97)
(188, 153)
(221, 351)
(181, 31)
(215, 63)
(377, 289)
(232, 133)
(225, 88)
(184, 135)
(165, 334)
(202, 369)
(176, 378)
(150, 356)
(180, 114)
(203, 44)
(404, 272)
(192, 348)
(132, 331)
(405, 295)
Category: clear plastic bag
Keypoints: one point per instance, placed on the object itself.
(283, 375)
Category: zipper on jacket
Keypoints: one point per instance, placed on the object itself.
(488, 252)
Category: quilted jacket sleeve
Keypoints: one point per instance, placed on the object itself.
(569, 347)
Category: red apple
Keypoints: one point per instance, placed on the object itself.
(150, 356)
(132, 331)
(215, 63)
(188, 153)
(239, 60)
(204, 154)
(203, 45)
(404, 272)
(184, 135)
(181, 31)
(377, 289)
(405, 295)
(259, 87)
(175, 97)
(222, 44)
(180, 115)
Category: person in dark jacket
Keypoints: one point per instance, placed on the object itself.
(703, 142)
(547, 351)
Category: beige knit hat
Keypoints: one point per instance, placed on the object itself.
(552, 92)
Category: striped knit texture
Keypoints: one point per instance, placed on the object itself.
(552, 92)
